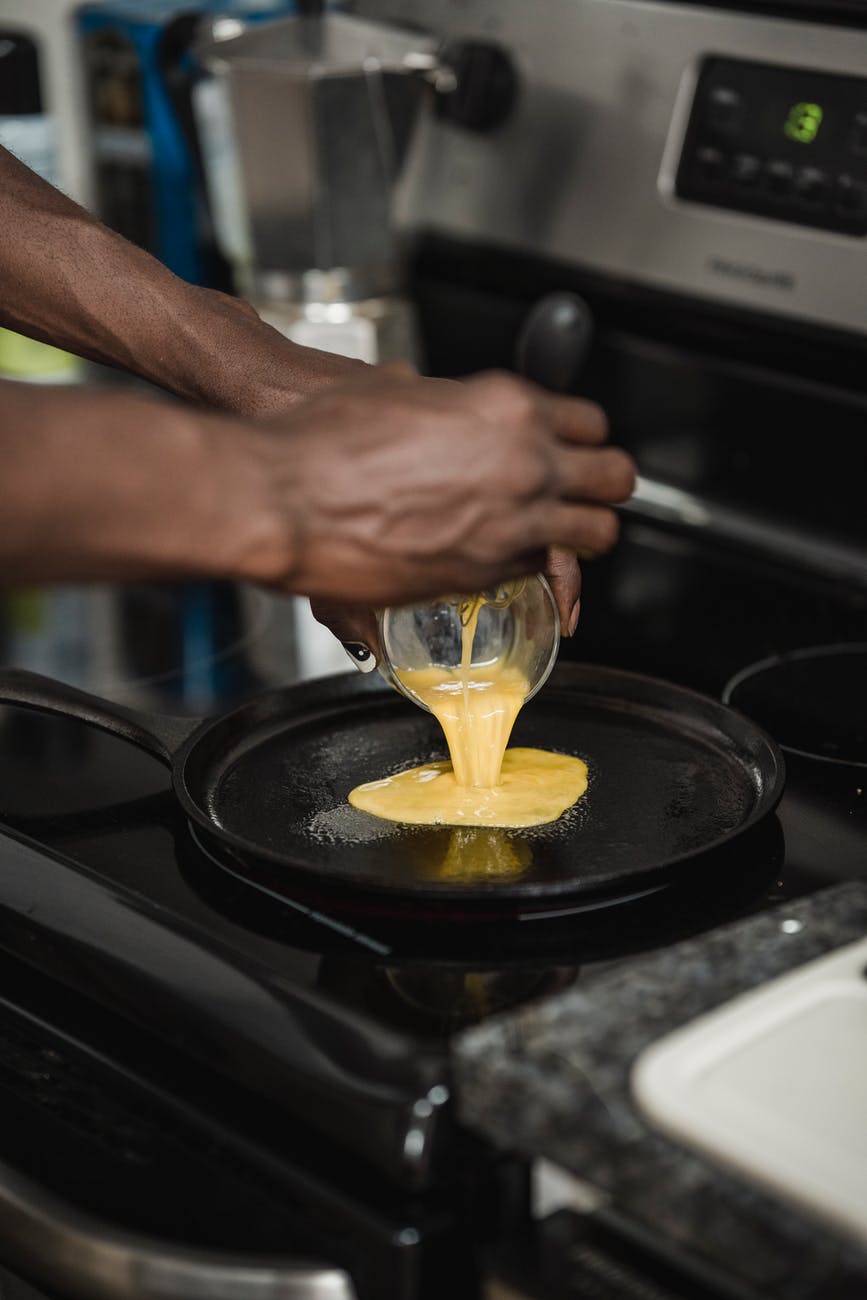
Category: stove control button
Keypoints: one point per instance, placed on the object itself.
(779, 176)
(725, 109)
(746, 169)
(851, 196)
(710, 162)
(858, 137)
(811, 185)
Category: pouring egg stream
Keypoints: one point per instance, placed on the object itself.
(485, 784)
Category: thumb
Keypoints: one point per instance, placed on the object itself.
(564, 575)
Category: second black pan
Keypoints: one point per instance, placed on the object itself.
(673, 775)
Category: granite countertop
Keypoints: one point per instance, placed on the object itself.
(552, 1080)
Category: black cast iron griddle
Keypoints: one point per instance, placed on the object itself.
(674, 777)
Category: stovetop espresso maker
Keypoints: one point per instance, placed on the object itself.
(304, 123)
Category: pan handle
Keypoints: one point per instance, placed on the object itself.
(54, 1245)
(159, 734)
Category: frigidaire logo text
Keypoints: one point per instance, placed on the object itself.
(755, 274)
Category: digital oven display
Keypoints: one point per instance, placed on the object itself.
(780, 142)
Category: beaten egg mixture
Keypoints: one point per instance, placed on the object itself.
(484, 784)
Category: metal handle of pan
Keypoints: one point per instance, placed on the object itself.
(159, 734)
(56, 1246)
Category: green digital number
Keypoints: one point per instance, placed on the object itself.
(803, 122)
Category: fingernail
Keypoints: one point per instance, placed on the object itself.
(574, 616)
(361, 655)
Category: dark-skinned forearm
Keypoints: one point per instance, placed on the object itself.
(112, 486)
(67, 279)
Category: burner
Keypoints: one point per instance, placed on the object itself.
(812, 701)
(734, 878)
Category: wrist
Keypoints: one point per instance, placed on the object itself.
(108, 486)
(229, 359)
(240, 527)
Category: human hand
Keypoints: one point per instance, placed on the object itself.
(597, 476)
(390, 488)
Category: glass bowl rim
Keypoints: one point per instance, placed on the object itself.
(387, 673)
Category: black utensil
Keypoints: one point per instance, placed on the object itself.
(554, 341)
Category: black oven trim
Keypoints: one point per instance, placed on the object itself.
(811, 351)
(828, 13)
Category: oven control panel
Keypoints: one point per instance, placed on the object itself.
(780, 142)
(689, 148)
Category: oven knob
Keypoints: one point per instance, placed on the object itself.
(485, 85)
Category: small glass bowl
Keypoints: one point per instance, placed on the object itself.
(518, 628)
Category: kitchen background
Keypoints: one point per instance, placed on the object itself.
(662, 206)
(127, 107)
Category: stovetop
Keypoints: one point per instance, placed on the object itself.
(345, 1023)
(323, 1039)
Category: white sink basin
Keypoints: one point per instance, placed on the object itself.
(774, 1085)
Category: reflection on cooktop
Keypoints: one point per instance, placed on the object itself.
(597, 929)
(432, 999)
